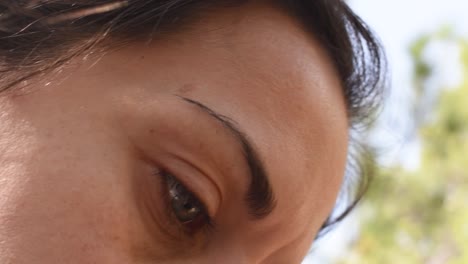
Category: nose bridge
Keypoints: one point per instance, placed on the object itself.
(240, 253)
(230, 257)
(233, 252)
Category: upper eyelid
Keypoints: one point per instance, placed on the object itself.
(260, 197)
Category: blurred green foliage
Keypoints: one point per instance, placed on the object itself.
(421, 216)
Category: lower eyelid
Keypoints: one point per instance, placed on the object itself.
(154, 212)
(167, 239)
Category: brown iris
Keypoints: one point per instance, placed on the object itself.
(187, 208)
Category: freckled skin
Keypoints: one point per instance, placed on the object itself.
(77, 155)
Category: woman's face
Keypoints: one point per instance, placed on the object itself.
(91, 157)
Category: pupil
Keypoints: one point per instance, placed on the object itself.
(185, 209)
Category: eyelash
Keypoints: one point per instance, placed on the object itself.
(204, 224)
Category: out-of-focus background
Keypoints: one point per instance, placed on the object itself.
(417, 208)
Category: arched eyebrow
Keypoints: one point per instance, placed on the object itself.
(260, 198)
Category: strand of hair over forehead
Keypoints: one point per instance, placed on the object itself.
(31, 30)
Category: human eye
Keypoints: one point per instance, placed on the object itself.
(184, 207)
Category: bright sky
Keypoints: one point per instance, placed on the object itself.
(399, 23)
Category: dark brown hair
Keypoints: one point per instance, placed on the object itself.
(38, 36)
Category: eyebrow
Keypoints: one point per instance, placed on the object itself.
(260, 198)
